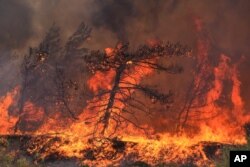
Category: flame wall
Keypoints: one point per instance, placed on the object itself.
(224, 26)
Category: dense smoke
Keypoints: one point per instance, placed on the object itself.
(16, 23)
(135, 21)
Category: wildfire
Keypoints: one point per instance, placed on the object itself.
(220, 120)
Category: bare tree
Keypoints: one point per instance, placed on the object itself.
(72, 54)
(123, 63)
(36, 63)
(45, 71)
(196, 93)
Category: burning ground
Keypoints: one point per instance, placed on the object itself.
(158, 103)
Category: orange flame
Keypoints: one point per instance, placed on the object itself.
(7, 121)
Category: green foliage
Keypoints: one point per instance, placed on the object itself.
(5, 160)
(3, 142)
(22, 162)
(167, 165)
(84, 165)
(9, 160)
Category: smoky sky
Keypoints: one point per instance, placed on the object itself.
(15, 23)
(25, 22)
(118, 16)
(114, 15)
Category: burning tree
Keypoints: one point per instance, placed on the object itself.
(200, 85)
(53, 84)
(126, 69)
(213, 100)
(35, 69)
(48, 82)
(46, 76)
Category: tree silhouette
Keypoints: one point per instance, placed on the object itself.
(46, 73)
(52, 68)
(111, 103)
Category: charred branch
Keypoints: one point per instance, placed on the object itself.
(123, 62)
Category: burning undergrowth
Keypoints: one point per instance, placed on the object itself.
(98, 107)
(113, 151)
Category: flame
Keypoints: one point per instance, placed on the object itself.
(7, 121)
(220, 127)
(222, 117)
(101, 80)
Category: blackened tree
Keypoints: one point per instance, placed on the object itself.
(46, 73)
(111, 104)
